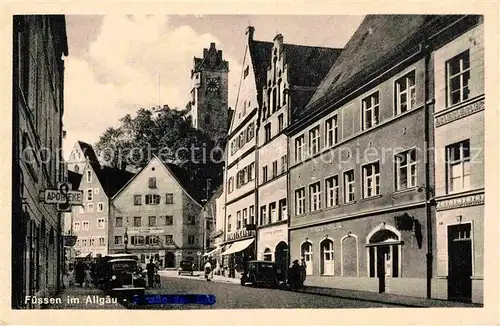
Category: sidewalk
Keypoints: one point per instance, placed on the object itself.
(83, 298)
(395, 299)
(199, 276)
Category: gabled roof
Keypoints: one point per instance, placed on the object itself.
(260, 53)
(376, 44)
(111, 179)
(88, 152)
(75, 179)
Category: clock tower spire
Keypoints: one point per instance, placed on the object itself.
(208, 107)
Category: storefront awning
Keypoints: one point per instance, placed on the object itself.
(238, 246)
(210, 253)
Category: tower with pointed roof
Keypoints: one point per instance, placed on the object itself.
(208, 107)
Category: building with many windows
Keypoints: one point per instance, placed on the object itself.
(91, 220)
(459, 169)
(154, 216)
(361, 170)
(292, 75)
(39, 45)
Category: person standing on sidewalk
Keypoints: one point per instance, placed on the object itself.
(303, 268)
(150, 268)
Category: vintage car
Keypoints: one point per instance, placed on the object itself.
(101, 267)
(124, 278)
(186, 266)
(260, 272)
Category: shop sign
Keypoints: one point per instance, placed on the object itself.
(275, 232)
(69, 240)
(243, 233)
(216, 234)
(460, 202)
(328, 228)
(145, 230)
(460, 113)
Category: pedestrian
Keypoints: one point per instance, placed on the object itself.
(71, 277)
(79, 273)
(150, 268)
(208, 270)
(88, 276)
(303, 268)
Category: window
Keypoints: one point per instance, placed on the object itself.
(406, 170)
(282, 212)
(137, 221)
(90, 193)
(252, 214)
(152, 182)
(314, 140)
(332, 191)
(307, 254)
(371, 180)
(137, 240)
(89, 176)
(76, 226)
(370, 111)
(458, 169)
(152, 240)
(300, 201)
(169, 220)
(264, 174)
(458, 76)
(229, 221)
(100, 207)
(274, 100)
(315, 197)
(170, 198)
(191, 220)
(85, 226)
(349, 186)
(118, 240)
(331, 131)
(267, 255)
(250, 172)
(405, 93)
(245, 217)
(263, 215)
(283, 163)
(267, 130)
(280, 123)
(272, 213)
(84, 242)
(118, 221)
(250, 132)
(327, 262)
(100, 223)
(169, 239)
(238, 220)
(191, 239)
(101, 242)
(77, 240)
(137, 200)
(275, 168)
(230, 184)
(82, 208)
(152, 221)
(299, 148)
(152, 199)
(90, 207)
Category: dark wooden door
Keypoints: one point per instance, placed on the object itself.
(459, 262)
(382, 251)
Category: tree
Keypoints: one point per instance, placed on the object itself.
(171, 138)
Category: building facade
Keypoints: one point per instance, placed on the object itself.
(40, 43)
(208, 107)
(154, 216)
(361, 165)
(292, 75)
(80, 155)
(459, 169)
(91, 220)
(240, 164)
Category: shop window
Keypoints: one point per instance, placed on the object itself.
(327, 257)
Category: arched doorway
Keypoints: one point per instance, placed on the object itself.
(268, 255)
(327, 257)
(384, 252)
(307, 254)
(169, 260)
(281, 259)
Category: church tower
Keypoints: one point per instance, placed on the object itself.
(208, 108)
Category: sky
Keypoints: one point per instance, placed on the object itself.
(118, 64)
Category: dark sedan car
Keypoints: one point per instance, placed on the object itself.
(259, 272)
(125, 279)
(186, 266)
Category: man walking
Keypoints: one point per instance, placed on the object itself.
(150, 268)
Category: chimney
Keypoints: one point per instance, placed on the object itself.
(212, 45)
(249, 32)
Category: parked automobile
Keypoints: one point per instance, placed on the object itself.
(186, 267)
(101, 267)
(124, 278)
(260, 272)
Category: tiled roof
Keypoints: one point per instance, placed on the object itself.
(88, 152)
(260, 53)
(111, 179)
(375, 45)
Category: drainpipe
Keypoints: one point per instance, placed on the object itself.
(428, 211)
